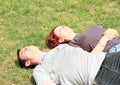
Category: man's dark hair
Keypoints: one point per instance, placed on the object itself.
(22, 62)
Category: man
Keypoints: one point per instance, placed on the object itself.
(66, 65)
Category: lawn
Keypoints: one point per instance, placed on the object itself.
(28, 22)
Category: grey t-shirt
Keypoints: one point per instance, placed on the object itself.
(66, 65)
(89, 39)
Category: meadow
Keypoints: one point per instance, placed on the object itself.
(28, 22)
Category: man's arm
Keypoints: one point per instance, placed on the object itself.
(41, 76)
(109, 34)
(48, 82)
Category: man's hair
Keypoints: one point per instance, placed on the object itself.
(53, 40)
(22, 62)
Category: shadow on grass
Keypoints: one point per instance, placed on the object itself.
(16, 63)
(32, 79)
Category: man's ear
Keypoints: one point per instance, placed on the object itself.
(27, 63)
(61, 40)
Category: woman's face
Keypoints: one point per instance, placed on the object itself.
(63, 32)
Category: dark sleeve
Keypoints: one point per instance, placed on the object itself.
(89, 39)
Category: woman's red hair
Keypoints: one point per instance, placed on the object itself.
(53, 40)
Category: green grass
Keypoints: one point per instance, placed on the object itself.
(27, 22)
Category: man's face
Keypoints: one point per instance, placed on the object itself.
(29, 53)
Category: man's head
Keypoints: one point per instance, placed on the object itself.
(28, 56)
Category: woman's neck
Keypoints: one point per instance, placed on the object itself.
(71, 37)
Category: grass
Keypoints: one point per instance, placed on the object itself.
(28, 22)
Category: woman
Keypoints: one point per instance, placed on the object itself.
(87, 40)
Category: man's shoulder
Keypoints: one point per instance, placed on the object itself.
(61, 46)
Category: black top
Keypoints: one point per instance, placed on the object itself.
(89, 39)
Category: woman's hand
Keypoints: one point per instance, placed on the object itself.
(110, 34)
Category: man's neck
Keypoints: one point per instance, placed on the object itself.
(40, 57)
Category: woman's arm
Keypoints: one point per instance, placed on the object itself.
(109, 34)
(101, 45)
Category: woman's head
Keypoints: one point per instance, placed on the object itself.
(59, 35)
